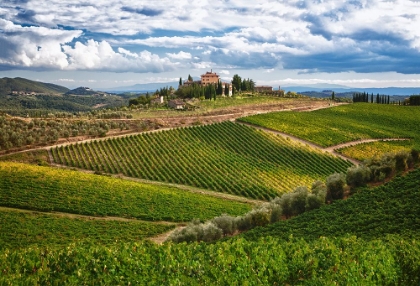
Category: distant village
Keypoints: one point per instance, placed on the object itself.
(208, 79)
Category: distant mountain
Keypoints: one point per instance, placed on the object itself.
(139, 88)
(22, 85)
(398, 91)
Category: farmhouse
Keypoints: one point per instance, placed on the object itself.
(177, 104)
(209, 78)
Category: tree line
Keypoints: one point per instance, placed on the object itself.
(365, 97)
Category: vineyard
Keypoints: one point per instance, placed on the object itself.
(365, 151)
(47, 189)
(372, 213)
(224, 157)
(340, 124)
(22, 230)
(268, 261)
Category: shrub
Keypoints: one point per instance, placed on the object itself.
(210, 232)
(226, 223)
(285, 203)
(335, 186)
(358, 176)
(401, 159)
(298, 202)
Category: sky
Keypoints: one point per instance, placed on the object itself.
(113, 43)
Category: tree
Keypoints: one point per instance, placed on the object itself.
(236, 82)
(333, 96)
(335, 186)
(180, 81)
(190, 78)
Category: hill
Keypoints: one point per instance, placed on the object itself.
(345, 123)
(312, 249)
(393, 208)
(225, 157)
(22, 85)
(84, 91)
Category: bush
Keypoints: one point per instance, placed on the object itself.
(401, 159)
(298, 202)
(285, 203)
(210, 232)
(226, 223)
(358, 176)
(335, 186)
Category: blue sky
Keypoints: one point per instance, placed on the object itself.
(98, 43)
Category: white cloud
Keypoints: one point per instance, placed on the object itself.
(43, 48)
(260, 30)
(179, 56)
(225, 72)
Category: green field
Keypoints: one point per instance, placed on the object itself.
(225, 157)
(47, 189)
(22, 230)
(332, 126)
(268, 261)
(368, 239)
(393, 208)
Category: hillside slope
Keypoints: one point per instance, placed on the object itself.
(393, 208)
(7, 85)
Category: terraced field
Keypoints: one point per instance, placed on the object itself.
(224, 157)
(332, 126)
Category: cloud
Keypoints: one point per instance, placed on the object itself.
(179, 56)
(310, 35)
(41, 48)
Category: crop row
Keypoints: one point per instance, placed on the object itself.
(332, 126)
(392, 208)
(48, 189)
(365, 151)
(224, 157)
(269, 261)
(21, 230)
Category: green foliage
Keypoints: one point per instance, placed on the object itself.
(7, 85)
(48, 189)
(335, 186)
(414, 100)
(224, 157)
(358, 176)
(18, 132)
(42, 105)
(332, 126)
(370, 214)
(22, 230)
(268, 261)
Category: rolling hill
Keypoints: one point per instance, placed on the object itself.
(8, 85)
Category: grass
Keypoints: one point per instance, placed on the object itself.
(332, 126)
(48, 189)
(36, 157)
